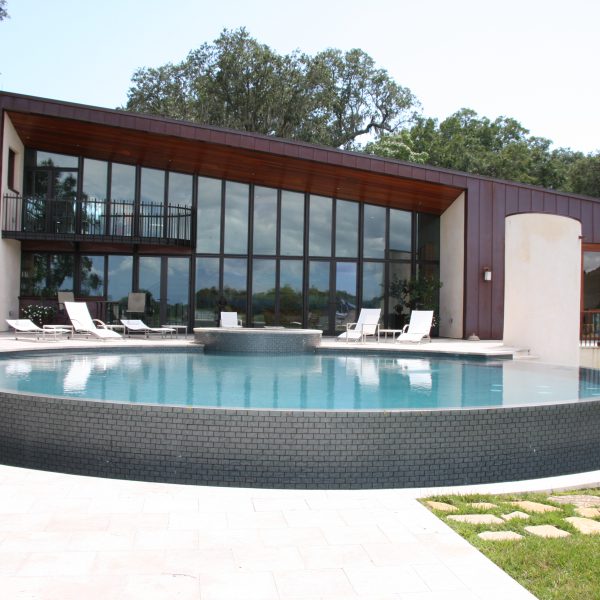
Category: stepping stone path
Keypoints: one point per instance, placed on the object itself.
(500, 536)
(590, 513)
(535, 507)
(477, 519)
(517, 514)
(442, 506)
(547, 531)
(580, 500)
(585, 526)
(483, 505)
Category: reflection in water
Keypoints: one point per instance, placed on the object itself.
(308, 381)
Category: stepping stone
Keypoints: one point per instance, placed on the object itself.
(582, 500)
(547, 531)
(517, 514)
(585, 526)
(590, 513)
(442, 506)
(483, 505)
(500, 536)
(536, 507)
(477, 519)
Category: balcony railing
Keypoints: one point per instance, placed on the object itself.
(30, 217)
(590, 328)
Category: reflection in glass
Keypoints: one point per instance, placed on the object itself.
(122, 193)
(290, 293)
(400, 234)
(119, 284)
(263, 292)
(180, 189)
(396, 317)
(152, 198)
(292, 223)
(372, 285)
(374, 231)
(149, 282)
(346, 229)
(44, 275)
(178, 285)
(93, 202)
(236, 217)
(428, 237)
(265, 220)
(234, 285)
(91, 275)
(318, 295)
(319, 235)
(591, 280)
(345, 295)
(207, 291)
(209, 215)
(52, 159)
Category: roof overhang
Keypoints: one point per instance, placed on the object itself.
(178, 146)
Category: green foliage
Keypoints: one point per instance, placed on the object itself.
(331, 98)
(39, 314)
(3, 11)
(415, 294)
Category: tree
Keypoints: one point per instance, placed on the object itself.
(332, 98)
(3, 11)
(584, 175)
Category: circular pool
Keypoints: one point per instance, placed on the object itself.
(327, 435)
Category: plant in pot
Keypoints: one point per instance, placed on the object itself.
(419, 293)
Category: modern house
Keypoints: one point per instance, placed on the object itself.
(104, 202)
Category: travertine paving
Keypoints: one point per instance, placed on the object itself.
(547, 531)
(479, 519)
(585, 526)
(500, 536)
(517, 514)
(483, 505)
(443, 506)
(535, 507)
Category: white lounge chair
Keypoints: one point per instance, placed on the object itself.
(419, 327)
(83, 323)
(230, 319)
(138, 326)
(367, 325)
(28, 327)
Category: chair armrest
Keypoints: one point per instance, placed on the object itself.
(100, 323)
(349, 326)
(405, 328)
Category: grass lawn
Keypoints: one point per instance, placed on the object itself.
(551, 569)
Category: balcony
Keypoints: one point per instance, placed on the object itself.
(85, 219)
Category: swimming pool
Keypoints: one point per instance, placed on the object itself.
(336, 442)
(305, 381)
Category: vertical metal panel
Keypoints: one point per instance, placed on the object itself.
(471, 296)
(537, 201)
(550, 203)
(486, 229)
(587, 218)
(562, 206)
(524, 200)
(511, 200)
(596, 223)
(499, 214)
(575, 208)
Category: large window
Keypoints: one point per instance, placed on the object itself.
(263, 292)
(208, 225)
(149, 282)
(319, 233)
(292, 224)
(122, 194)
(178, 285)
(236, 218)
(374, 231)
(207, 291)
(93, 202)
(265, 221)
(91, 276)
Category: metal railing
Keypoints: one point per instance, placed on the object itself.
(590, 328)
(26, 217)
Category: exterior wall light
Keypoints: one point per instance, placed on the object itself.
(487, 274)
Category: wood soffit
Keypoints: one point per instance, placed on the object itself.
(241, 157)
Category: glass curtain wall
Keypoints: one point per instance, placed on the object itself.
(94, 195)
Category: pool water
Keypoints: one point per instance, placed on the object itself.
(303, 382)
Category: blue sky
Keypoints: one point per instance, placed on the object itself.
(534, 60)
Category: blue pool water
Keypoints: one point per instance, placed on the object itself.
(307, 381)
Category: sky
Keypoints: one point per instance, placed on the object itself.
(533, 60)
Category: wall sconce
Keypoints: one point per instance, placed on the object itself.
(487, 274)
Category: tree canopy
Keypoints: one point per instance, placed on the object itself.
(338, 99)
(3, 11)
(331, 98)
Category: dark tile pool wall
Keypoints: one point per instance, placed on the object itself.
(298, 449)
(288, 341)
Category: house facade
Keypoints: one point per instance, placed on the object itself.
(104, 202)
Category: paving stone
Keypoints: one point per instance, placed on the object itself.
(500, 536)
(576, 499)
(517, 514)
(585, 526)
(483, 505)
(589, 512)
(536, 507)
(547, 531)
(444, 506)
(477, 519)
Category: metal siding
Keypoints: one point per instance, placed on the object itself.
(486, 229)
(471, 297)
(524, 200)
(587, 222)
(511, 200)
(499, 214)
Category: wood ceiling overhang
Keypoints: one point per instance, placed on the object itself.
(179, 146)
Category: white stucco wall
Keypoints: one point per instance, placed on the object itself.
(10, 250)
(452, 269)
(543, 286)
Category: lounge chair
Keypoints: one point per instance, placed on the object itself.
(230, 319)
(83, 323)
(138, 326)
(419, 327)
(28, 327)
(367, 325)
